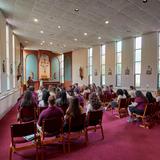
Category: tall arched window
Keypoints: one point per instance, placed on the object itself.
(103, 63)
(137, 61)
(118, 63)
(90, 65)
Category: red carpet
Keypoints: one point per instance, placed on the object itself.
(123, 141)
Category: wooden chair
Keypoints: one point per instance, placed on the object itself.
(76, 125)
(121, 109)
(147, 113)
(94, 121)
(18, 131)
(40, 109)
(27, 114)
(52, 131)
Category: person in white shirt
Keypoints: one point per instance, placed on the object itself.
(120, 95)
(132, 92)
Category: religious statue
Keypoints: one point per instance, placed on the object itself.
(81, 73)
(3, 66)
(127, 71)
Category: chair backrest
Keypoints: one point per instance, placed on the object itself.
(122, 103)
(77, 123)
(27, 114)
(94, 117)
(130, 100)
(40, 109)
(22, 129)
(53, 126)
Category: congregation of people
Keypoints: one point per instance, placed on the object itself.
(75, 100)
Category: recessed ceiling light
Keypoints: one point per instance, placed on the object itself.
(76, 39)
(59, 27)
(35, 20)
(85, 34)
(64, 45)
(99, 37)
(41, 44)
(50, 43)
(43, 41)
(76, 9)
(41, 31)
(106, 22)
(144, 1)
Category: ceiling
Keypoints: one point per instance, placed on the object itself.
(127, 18)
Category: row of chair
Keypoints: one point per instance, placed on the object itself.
(54, 128)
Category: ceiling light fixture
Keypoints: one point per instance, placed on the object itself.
(43, 41)
(76, 9)
(85, 34)
(50, 43)
(99, 37)
(41, 44)
(76, 39)
(41, 31)
(59, 27)
(106, 22)
(64, 45)
(145, 1)
(35, 20)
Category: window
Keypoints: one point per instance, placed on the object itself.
(102, 62)
(7, 57)
(137, 61)
(159, 60)
(90, 55)
(13, 66)
(118, 63)
(62, 68)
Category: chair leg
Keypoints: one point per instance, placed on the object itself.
(86, 136)
(10, 153)
(69, 142)
(102, 132)
(63, 141)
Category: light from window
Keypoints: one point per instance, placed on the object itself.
(118, 63)
(7, 57)
(103, 63)
(137, 61)
(90, 54)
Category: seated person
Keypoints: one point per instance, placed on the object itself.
(94, 103)
(132, 91)
(62, 101)
(79, 96)
(138, 105)
(74, 110)
(150, 97)
(158, 95)
(51, 112)
(34, 94)
(39, 93)
(29, 103)
(44, 101)
(120, 95)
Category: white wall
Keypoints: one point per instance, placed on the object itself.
(79, 59)
(149, 57)
(7, 97)
(110, 63)
(7, 101)
(96, 65)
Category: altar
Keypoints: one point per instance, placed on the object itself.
(47, 83)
